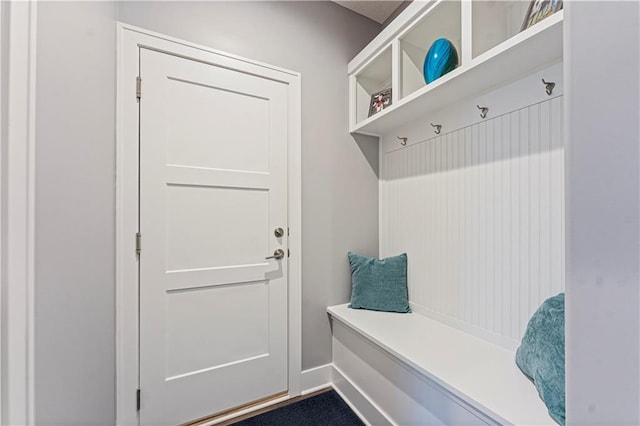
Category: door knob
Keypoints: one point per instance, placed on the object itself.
(279, 232)
(278, 254)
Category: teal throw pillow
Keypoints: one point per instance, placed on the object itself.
(541, 355)
(379, 285)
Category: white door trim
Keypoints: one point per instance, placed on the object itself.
(17, 212)
(129, 40)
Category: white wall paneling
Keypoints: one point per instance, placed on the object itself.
(480, 211)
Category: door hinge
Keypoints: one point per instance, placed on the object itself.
(138, 87)
(138, 243)
(138, 399)
(288, 253)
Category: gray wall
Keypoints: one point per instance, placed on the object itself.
(602, 47)
(75, 196)
(75, 214)
(340, 188)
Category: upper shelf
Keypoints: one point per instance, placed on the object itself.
(483, 67)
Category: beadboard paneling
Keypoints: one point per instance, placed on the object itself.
(480, 212)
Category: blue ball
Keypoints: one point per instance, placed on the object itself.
(441, 58)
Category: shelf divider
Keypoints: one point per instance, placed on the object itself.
(467, 31)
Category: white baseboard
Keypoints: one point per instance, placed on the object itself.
(311, 380)
(367, 410)
(322, 377)
(315, 379)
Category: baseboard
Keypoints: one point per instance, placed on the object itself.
(357, 400)
(314, 379)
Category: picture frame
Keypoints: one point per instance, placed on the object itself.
(379, 101)
(539, 10)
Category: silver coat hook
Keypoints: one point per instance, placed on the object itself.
(402, 139)
(549, 85)
(437, 128)
(483, 111)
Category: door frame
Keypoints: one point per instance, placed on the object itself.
(18, 25)
(130, 38)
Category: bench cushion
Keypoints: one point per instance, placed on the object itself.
(379, 285)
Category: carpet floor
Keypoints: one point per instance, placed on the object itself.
(325, 409)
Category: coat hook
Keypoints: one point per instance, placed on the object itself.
(549, 86)
(402, 139)
(483, 111)
(437, 128)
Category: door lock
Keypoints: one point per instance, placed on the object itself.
(278, 254)
(279, 232)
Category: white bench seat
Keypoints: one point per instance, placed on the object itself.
(479, 373)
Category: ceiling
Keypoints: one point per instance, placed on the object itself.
(378, 11)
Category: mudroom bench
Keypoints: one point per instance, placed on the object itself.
(409, 369)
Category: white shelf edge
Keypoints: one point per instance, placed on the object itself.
(364, 127)
(373, 118)
(445, 79)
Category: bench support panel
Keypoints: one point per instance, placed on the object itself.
(384, 390)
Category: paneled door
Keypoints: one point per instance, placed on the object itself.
(213, 208)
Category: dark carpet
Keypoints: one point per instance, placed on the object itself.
(326, 409)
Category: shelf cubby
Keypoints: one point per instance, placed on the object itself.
(443, 20)
(373, 78)
(493, 22)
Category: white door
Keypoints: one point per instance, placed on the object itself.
(213, 310)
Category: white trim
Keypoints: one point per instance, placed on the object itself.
(466, 32)
(192, 48)
(396, 70)
(130, 38)
(18, 215)
(4, 32)
(294, 199)
(315, 379)
(126, 227)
